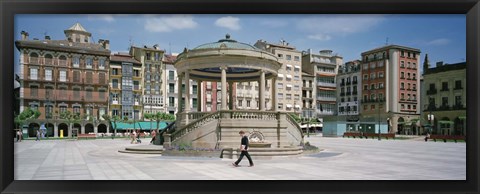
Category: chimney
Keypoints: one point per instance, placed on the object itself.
(47, 37)
(155, 46)
(106, 44)
(440, 63)
(24, 35)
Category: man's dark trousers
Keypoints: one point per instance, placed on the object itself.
(244, 153)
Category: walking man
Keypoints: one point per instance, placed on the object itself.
(38, 135)
(243, 149)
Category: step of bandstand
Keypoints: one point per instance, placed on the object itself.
(265, 152)
(143, 149)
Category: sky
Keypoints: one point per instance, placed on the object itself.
(442, 37)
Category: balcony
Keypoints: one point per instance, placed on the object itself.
(354, 82)
(35, 60)
(431, 91)
(349, 93)
(48, 61)
(348, 83)
(457, 88)
(444, 90)
(342, 93)
(342, 84)
(325, 84)
(373, 100)
(322, 98)
(354, 93)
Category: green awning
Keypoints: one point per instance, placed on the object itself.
(462, 117)
(445, 122)
(143, 125)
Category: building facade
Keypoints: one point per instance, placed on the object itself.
(308, 95)
(125, 87)
(390, 89)
(65, 75)
(324, 66)
(289, 80)
(171, 80)
(152, 78)
(349, 84)
(445, 98)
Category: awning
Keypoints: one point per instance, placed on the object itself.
(289, 106)
(280, 75)
(297, 67)
(462, 117)
(445, 122)
(329, 89)
(288, 65)
(289, 86)
(289, 76)
(143, 125)
(297, 106)
(327, 74)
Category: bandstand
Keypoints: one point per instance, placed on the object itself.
(229, 62)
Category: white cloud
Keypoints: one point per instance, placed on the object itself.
(103, 17)
(169, 23)
(229, 22)
(321, 37)
(324, 27)
(439, 42)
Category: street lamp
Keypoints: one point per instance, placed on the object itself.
(379, 121)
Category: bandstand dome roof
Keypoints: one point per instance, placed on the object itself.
(243, 62)
(226, 43)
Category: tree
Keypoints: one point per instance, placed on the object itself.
(159, 116)
(295, 117)
(26, 116)
(113, 121)
(70, 118)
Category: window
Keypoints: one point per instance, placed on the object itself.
(297, 97)
(372, 86)
(289, 57)
(289, 96)
(115, 83)
(402, 63)
(89, 62)
(76, 93)
(414, 87)
(89, 78)
(34, 74)
(403, 106)
(365, 87)
(89, 93)
(76, 109)
(48, 74)
(365, 66)
(148, 56)
(296, 87)
(101, 64)
(63, 109)
(296, 58)
(171, 88)
(365, 77)
(157, 56)
(372, 65)
(280, 85)
(408, 107)
(380, 74)
(372, 107)
(408, 86)
(280, 55)
(280, 95)
(171, 75)
(444, 101)
(63, 76)
(248, 103)
(458, 100)
(365, 107)
(296, 78)
(408, 64)
(380, 85)
(34, 91)
(136, 73)
(402, 53)
(372, 76)
(444, 86)
(76, 61)
(432, 86)
(414, 65)
(114, 97)
(402, 96)
(402, 86)
(458, 84)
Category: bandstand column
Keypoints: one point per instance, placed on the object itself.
(199, 96)
(224, 88)
(179, 93)
(262, 90)
(187, 91)
(55, 130)
(274, 94)
(230, 96)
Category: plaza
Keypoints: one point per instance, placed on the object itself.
(340, 159)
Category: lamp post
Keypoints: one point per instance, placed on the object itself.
(379, 121)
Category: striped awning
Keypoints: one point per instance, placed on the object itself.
(329, 89)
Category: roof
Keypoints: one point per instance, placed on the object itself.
(390, 47)
(123, 58)
(226, 43)
(77, 27)
(63, 45)
(446, 67)
(170, 59)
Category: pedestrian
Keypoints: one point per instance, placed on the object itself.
(18, 135)
(427, 136)
(244, 150)
(21, 135)
(38, 135)
(153, 136)
(133, 135)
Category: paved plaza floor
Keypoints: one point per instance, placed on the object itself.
(341, 159)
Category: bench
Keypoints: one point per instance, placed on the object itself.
(352, 134)
(86, 136)
(382, 135)
(447, 137)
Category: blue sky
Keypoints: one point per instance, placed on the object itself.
(443, 37)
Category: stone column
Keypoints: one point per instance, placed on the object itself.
(95, 129)
(187, 91)
(262, 90)
(108, 128)
(230, 96)
(179, 93)
(199, 96)
(55, 130)
(224, 88)
(274, 94)
(82, 130)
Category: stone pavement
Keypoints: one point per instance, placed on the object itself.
(341, 159)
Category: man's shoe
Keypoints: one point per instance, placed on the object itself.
(251, 165)
(236, 165)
